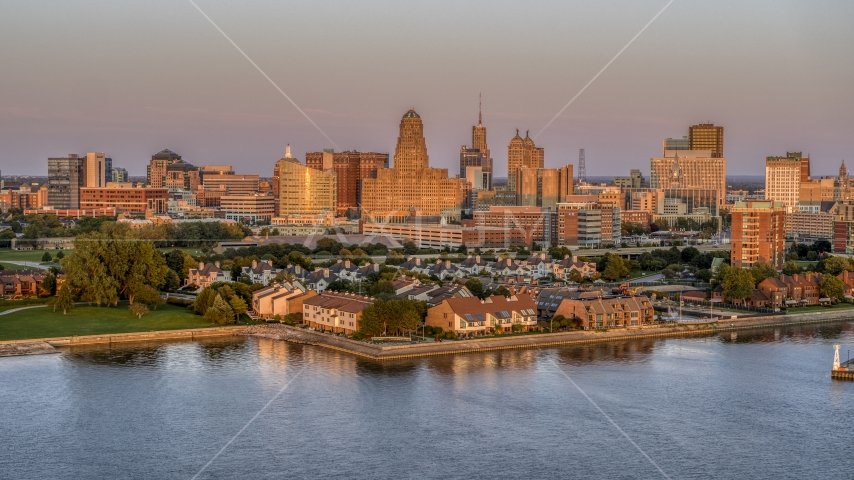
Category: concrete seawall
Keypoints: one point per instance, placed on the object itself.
(378, 352)
(184, 334)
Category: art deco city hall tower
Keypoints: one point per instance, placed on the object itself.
(411, 186)
(410, 155)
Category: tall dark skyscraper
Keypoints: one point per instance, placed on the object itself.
(65, 176)
(707, 136)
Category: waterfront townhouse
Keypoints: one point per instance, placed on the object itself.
(262, 272)
(597, 313)
(319, 279)
(473, 265)
(344, 269)
(335, 312)
(471, 316)
(507, 267)
(280, 299)
(444, 269)
(206, 274)
(404, 284)
(538, 265)
(21, 283)
(563, 268)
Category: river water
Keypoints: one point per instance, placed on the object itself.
(759, 405)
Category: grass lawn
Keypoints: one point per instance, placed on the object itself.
(28, 255)
(819, 308)
(805, 263)
(12, 266)
(85, 320)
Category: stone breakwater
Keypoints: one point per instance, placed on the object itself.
(392, 352)
(28, 348)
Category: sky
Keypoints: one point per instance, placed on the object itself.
(133, 77)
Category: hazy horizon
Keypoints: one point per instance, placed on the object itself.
(132, 79)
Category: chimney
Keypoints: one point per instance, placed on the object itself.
(447, 264)
(477, 258)
(376, 267)
(254, 264)
(201, 265)
(325, 273)
(567, 256)
(468, 256)
(574, 258)
(217, 264)
(347, 263)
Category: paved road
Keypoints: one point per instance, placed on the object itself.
(28, 264)
(21, 308)
(649, 278)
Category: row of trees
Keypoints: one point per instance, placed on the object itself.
(392, 317)
(223, 303)
(738, 283)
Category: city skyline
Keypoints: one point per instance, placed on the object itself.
(169, 96)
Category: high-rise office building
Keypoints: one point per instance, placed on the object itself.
(689, 169)
(119, 175)
(758, 234)
(675, 144)
(522, 153)
(783, 179)
(350, 168)
(411, 185)
(543, 187)
(108, 169)
(303, 190)
(410, 154)
(478, 155)
(634, 180)
(707, 136)
(156, 170)
(95, 168)
(65, 177)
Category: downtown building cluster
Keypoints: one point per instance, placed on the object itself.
(353, 192)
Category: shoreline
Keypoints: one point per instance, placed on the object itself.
(396, 352)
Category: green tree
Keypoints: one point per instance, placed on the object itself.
(339, 286)
(147, 295)
(791, 267)
(502, 290)
(64, 299)
(575, 276)
(48, 286)
(173, 281)
(688, 254)
(616, 268)
(204, 300)
(220, 312)
(383, 286)
(738, 284)
(836, 265)
(762, 270)
(139, 309)
(409, 248)
(831, 287)
(559, 253)
(475, 286)
(60, 255)
(175, 260)
(238, 306)
(107, 266)
(372, 323)
(236, 272)
(46, 257)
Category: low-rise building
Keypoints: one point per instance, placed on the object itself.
(125, 198)
(471, 316)
(252, 208)
(262, 272)
(280, 299)
(206, 274)
(335, 312)
(598, 313)
(21, 283)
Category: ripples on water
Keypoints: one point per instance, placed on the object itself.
(752, 405)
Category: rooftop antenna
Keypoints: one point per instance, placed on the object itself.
(479, 109)
(582, 169)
